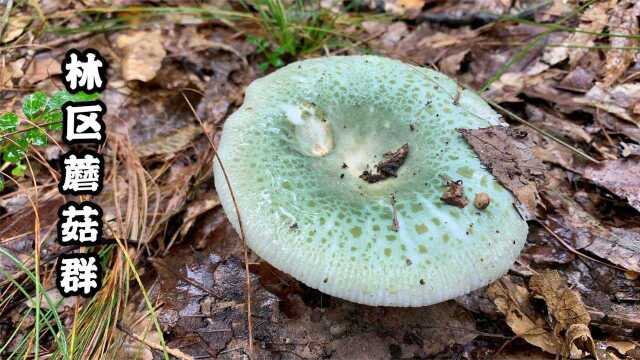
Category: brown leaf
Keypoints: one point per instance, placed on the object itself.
(41, 68)
(619, 100)
(621, 177)
(622, 347)
(564, 304)
(579, 79)
(624, 21)
(557, 124)
(143, 54)
(567, 309)
(572, 223)
(578, 342)
(170, 143)
(196, 208)
(451, 64)
(507, 154)
(593, 20)
(513, 301)
(629, 149)
(407, 8)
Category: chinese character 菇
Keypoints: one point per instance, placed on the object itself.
(80, 224)
(78, 274)
(82, 173)
(82, 122)
(84, 71)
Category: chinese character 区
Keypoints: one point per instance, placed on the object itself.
(78, 274)
(84, 71)
(80, 224)
(82, 173)
(82, 122)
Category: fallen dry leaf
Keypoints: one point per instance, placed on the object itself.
(623, 20)
(573, 224)
(567, 309)
(41, 68)
(143, 54)
(451, 64)
(629, 149)
(196, 208)
(169, 143)
(557, 124)
(15, 27)
(506, 152)
(619, 100)
(579, 79)
(513, 301)
(577, 44)
(407, 8)
(621, 177)
(622, 347)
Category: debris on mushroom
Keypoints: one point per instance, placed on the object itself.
(389, 165)
(395, 226)
(454, 194)
(284, 150)
(481, 201)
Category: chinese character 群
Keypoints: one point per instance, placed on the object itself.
(80, 224)
(78, 274)
(82, 173)
(84, 71)
(82, 122)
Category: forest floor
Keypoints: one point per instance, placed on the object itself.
(564, 74)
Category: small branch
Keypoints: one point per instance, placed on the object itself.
(240, 225)
(173, 352)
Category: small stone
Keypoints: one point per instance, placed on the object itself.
(482, 200)
(337, 329)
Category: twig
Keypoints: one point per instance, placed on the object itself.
(543, 132)
(395, 224)
(237, 210)
(575, 251)
(152, 344)
(5, 18)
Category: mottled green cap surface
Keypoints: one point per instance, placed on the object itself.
(294, 153)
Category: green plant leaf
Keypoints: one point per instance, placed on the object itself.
(13, 153)
(58, 99)
(1, 183)
(264, 66)
(33, 104)
(36, 137)
(8, 122)
(19, 170)
(53, 120)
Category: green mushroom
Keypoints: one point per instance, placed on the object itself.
(350, 175)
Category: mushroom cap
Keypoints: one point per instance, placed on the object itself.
(294, 153)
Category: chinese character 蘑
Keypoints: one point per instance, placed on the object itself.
(84, 71)
(78, 274)
(82, 173)
(82, 122)
(80, 224)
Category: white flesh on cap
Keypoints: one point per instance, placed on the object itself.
(284, 151)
